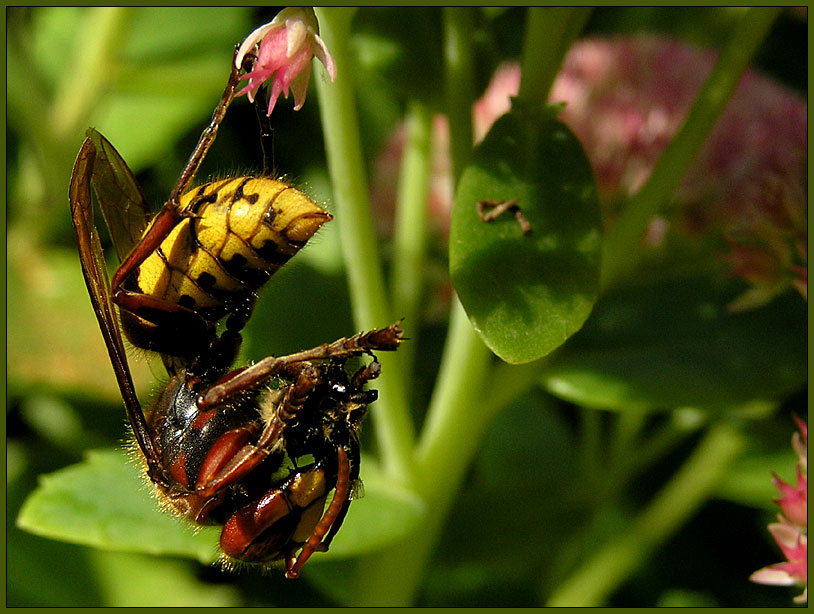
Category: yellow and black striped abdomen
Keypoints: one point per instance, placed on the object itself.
(238, 233)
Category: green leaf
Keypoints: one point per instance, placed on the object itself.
(172, 582)
(105, 502)
(526, 294)
(672, 343)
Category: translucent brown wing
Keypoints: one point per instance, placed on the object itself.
(123, 206)
(98, 284)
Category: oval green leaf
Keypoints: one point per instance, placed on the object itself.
(674, 342)
(105, 502)
(527, 293)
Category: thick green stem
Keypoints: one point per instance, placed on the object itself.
(460, 409)
(549, 33)
(455, 418)
(462, 372)
(596, 579)
(454, 427)
(391, 418)
(623, 242)
(460, 87)
(410, 242)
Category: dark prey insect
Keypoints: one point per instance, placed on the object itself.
(220, 446)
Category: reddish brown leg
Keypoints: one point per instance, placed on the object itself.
(149, 308)
(243, 527)
(230, 463)
(366, 373)
(498, 208)
(239, 536)
(239, 381)
(314, 542)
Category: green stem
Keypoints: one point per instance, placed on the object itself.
(453, 426)
(450, 433)
(549, 34)
(462, 405)
(391, 418)
(590, 446)
(656, 446)
(452, 429)
(459, 411)
(624, 466)
(622, 243)
(627, 426)
(410, 240)
(460, 87)
(596, 579)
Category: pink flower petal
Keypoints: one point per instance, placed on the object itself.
(323, 55)
(770, 575)
(251, 40)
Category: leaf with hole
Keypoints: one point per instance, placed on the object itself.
(527, 293)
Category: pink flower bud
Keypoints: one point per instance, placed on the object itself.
(284, 49)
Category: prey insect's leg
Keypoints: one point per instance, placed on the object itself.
(366, 373)
(353, 478)
(234, 460)
(331, 515)
(241, 380)
(498, 208)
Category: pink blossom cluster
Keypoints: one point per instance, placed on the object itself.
(625, 99)
(791, 531)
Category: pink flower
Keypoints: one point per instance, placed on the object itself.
(794, 500)
(286, 46)
(791, 532)
(627, 98)
(799, 442)
(794, 545)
